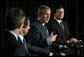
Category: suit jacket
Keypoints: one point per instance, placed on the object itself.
(62, 37)
(37, 35)
(11, 47)
(54, 26)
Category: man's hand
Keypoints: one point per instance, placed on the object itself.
(52, 37)
(73, 40)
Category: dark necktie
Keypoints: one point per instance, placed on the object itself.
(24, 42)
(62, 26)
(19, 40)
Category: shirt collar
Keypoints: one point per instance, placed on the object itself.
(14, 34)
(43, 24)
(57, 20)
(21, 37)
(41, 21)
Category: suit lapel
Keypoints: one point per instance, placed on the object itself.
(42, 29)
(58, 26)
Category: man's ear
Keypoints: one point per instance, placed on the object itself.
(21, 28)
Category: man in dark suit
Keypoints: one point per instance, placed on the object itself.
(60, 28)
(13, 22)
(34, 51)
(40, 51)
(12, 42)
(39, 33)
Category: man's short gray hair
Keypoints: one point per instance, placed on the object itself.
(41, 9)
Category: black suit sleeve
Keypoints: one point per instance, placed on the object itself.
(21, 51)
(38, 51)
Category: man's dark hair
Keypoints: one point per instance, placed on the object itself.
(14, 18)
(57, 7)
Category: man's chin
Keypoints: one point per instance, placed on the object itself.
(47, 21)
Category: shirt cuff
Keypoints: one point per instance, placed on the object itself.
(68, 41)
(60, 46)
(48, 41)
(51, 54)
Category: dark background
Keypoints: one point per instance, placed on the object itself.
(73, 12)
